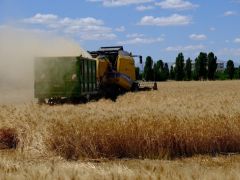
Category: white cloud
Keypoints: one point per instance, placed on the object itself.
(144, 8)
(135, 35)
(229, 13)
(112, 3)
(176, 4)
(41, 19)
(212, 29)
(173, 20)
(185, 48)
(54, 21)
(87, 28)
(198, 37)
(237, 40)
(98, 36)
(230, 52)
(120, 29)
(142, 40)
(88, 21)
(91, 32)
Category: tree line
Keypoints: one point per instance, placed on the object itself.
(203, 68)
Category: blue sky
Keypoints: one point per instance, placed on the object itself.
(160, 28)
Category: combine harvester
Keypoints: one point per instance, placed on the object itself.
(108, 73)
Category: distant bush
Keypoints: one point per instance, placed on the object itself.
(221, 75)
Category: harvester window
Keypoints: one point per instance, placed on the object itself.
(113, 58)
(111, 53)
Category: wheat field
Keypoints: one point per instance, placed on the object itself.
(185, 130)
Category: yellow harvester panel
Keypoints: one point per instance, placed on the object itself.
(102, 68)
(125, 65)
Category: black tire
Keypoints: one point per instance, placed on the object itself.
(135, 87)
(111, 92)
(51, 101)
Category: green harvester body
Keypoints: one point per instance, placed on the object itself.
(70, 77)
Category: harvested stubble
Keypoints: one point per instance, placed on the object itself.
(197, 168)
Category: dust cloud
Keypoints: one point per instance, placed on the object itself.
(18, 48)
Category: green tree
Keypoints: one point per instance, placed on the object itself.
(160, 64)
(221, 75)
(201, 66)
(137, 72)
(172, 73)
(196, 70)
(238, 73)
(212, 65)
(166, 71)
(179, 68)
(188, 69)
(155, 72)
(230, 69)
(148, 69)
(159, 70)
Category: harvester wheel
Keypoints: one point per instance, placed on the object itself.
(111, 92)
(54, 101)
(51, 101)
(135, 87)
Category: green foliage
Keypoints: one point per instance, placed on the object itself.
(238, 73)
(201, 66)
(195, 76)
(148, 69)
(161, 71)
(188, 69)
(221, 75)
(155, 72)
(179, 68)
(172, 73)
(230, 69)
(137, 72)
(212, 65)
(158, 69)
(160, 64)
(205, 68)
(166, 71)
